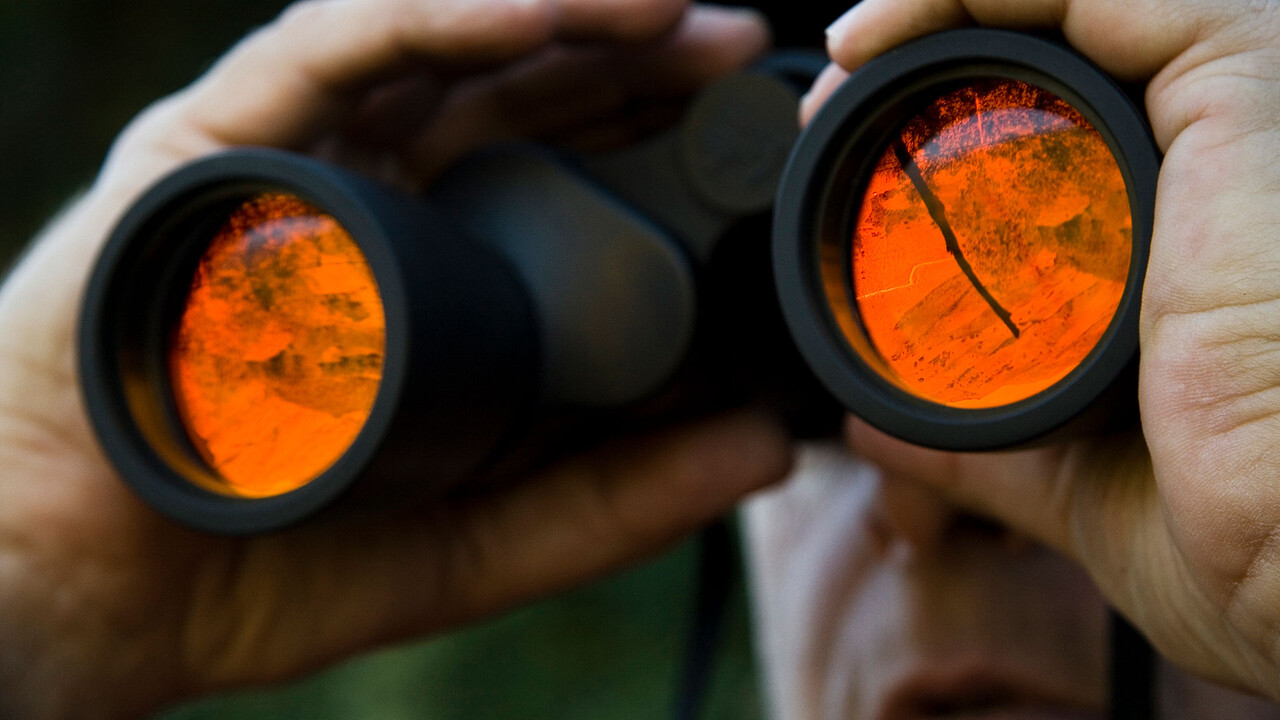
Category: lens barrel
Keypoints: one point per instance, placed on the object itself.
(458, 372)
(961, 235)
(264, 333)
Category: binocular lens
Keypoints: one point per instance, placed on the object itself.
(991, 246)
(961, 239)
(958, 246)
(277, 355)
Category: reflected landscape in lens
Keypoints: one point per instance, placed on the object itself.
(277, 357)
(991, 246)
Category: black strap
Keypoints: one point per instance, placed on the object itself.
(1132, 673)
(717, 571)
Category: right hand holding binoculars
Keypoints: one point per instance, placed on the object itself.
(1176, 523)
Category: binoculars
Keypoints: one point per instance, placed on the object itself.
(953, 250)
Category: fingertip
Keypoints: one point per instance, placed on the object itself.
(838, 30)
(873, 27)
(842, 37)
(774, 446)
(748, 27)
(725, 39)
(747, 449)
(827, 82)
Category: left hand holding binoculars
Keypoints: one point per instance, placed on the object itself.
(109, 610)
(1177, 523)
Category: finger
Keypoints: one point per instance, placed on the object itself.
(329, 591)
(593, 90)
(870, 28)
(1026, 490)
(1096, 502)
(616, 506)
(392, 113)
(625, 20)
(1129, 39)
(574, 81)
(302, 74)
(831, 77)
(530, 101)
(708, 43)
(1094, 499)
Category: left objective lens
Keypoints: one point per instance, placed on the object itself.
(277, 356)
(247, 332)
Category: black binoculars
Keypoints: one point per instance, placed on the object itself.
(953, 249)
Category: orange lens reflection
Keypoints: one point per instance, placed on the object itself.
(278, 355)
(992, 245)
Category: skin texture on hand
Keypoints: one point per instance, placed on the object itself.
(109, 610)
(1180, 527)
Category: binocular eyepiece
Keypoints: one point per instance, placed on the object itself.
(957, 248)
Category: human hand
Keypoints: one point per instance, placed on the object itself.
(108, 610)
(1179, 526)
(876, 597)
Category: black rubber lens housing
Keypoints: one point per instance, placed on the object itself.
(822, 189)
(459, 366)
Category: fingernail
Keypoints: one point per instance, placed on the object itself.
(841, 25)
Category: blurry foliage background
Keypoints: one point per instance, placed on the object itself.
(72, 73)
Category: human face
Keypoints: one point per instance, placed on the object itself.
(878, 600)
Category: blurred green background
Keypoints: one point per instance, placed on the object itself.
(72, 73)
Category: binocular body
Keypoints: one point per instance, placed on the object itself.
(264, 333)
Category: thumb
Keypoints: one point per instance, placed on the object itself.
(1055, 494)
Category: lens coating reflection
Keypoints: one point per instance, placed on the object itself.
(277, 357)
(992, 245)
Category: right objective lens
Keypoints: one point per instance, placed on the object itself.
(991, 247)
(962, 235)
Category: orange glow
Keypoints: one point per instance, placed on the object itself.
(1038, 210)
(278, 355)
